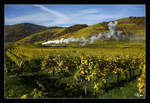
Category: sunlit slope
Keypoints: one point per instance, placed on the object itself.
(41, 36)
(86, 32)
(132, 25)
(51, 33)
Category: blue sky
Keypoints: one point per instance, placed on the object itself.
(66, 15)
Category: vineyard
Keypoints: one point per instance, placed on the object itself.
(72, 76)
(75, 51)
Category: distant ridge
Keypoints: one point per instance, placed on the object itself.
(19, 31)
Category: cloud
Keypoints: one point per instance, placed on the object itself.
(89, 11)
(51, 17)
(39, 18)
(48, 18)
(86, 16)
(60, 17)
(92, 16)
(51, 11)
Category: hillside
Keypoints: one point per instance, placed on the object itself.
(18, 31)
(41, 36)
(51, 33)
(132, 25)
(35, 34)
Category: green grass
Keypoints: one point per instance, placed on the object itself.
(128, 91)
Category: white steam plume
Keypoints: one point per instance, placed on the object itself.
(68, 40)
(113, 33)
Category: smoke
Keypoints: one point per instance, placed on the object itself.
(68, 40)
(93, 38)
(113, 33)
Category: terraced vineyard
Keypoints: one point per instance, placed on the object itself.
(76, 72)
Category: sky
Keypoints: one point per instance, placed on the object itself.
(67, 15)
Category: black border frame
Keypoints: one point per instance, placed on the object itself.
(3, 2)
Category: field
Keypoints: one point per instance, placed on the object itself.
(106, 69)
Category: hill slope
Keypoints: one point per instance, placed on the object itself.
(131, 25)
(51, 33)
(18, 31)
(41, 36)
